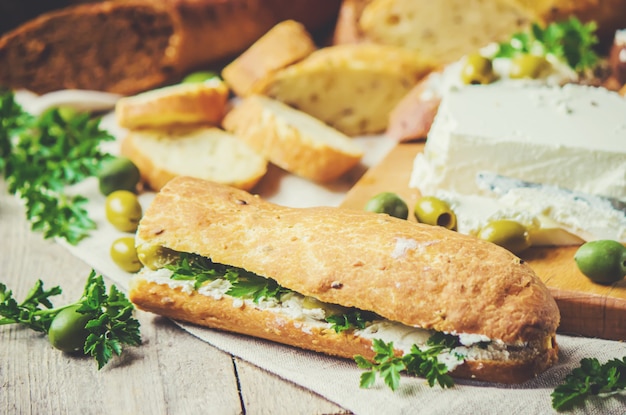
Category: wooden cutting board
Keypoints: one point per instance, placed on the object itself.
(587, 308)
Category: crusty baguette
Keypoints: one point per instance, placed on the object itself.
(414, 274)
(442, 31)
(72, 49)
(413, 116)
(205, 152)
(286, 43)
(445, 30)
(350, 87)
(292, 139)
(347, 29)
(186, 103)
(129, 46)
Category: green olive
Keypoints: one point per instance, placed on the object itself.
(434, 211)
(67, 113)
(602, 261)
(67, 330)
(477, 70)
(118, 173)
(389, 203)
(507, 233)
(527, 66)
(124, 254)
(123, 210)
(199, 76)
(155, 256)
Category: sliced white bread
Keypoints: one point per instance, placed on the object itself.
(292, 139)
(185, 103)
(206, 152)
(350, 87)
(286, 43)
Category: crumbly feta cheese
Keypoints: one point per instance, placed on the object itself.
(572, 137)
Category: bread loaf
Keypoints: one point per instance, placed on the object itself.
(72, 49)
(350, 87)
(185, 103)
(128, 46)
(410, 275)
(442, 31)
(445, 30)
(286, 43)
(202, 152)
(292, 140)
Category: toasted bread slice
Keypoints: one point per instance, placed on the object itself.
(286, 43)
(292, 139)
(185, 103)
(206, 152)
(350, 87)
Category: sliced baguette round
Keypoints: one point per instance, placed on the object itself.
(350, 87)
(185, 103)
(286, 43)
(292, 139)
(204, 152)
(414, 274)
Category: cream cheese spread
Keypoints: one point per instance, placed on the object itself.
(573, 137)
(291, 306)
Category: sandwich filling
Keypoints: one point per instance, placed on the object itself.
(193, 273)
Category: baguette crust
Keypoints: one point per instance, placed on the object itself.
(204, 152)
(234, 316)
(128, 46)
(415, 274)
(292, 139)
(286, 43)
(412, 118)
(197, 103)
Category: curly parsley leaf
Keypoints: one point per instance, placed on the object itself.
(42, 156)
(417, 362)
(243, 284)
(590, 378)
(111, 324)
(354, 319)
(570, 41)
(33, 312)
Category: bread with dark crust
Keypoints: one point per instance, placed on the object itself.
(129, 46)
(414, 274)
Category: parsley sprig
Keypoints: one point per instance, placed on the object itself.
(244, 284)
(353, 319)
(570, 41)
(417, 362)
(111, 324)
(42, 156)
(590, 378)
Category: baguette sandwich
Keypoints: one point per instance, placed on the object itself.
(222, 258)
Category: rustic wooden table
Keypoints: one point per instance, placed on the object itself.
(171, 373)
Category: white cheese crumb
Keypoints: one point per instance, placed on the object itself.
(403, 245)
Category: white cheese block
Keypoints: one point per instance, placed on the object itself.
(572, 136)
